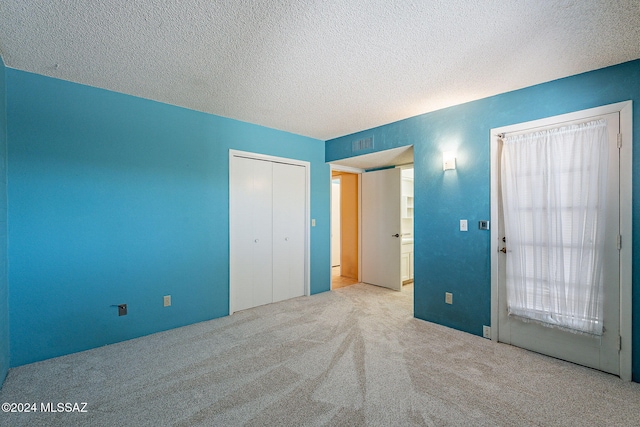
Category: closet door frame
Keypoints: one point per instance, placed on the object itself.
(233, 177)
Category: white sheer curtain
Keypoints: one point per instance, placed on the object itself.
(553, 190)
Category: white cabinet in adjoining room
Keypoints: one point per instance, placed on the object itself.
(407, 214)
(407, 262)
(405, 266)
(268, 207)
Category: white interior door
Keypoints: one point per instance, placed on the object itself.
(599, 352)
(381, 243)
(335, 222)
(251, 248)
(289, 184)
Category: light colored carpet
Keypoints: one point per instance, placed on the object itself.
(354, 356)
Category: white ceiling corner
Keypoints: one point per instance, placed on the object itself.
(320, 68)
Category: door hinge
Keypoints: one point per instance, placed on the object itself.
(619, 140)
(619, 242)
(619, 343)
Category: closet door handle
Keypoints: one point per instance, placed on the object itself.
(395, 235)
(286, 239)
(257, 240)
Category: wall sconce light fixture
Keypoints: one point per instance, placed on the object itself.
(448, 160)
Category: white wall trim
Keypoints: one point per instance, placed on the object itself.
(626, 230)
(360, 227)
(626, 168)
(307, 220)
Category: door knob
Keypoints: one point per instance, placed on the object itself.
(395, 235)
(257, 240)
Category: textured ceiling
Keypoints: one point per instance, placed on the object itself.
(321, 68)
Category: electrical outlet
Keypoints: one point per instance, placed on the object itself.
(448, 297)
(122, 309)
(167, 300)
(486, 331)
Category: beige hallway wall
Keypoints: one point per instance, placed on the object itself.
(349, 223)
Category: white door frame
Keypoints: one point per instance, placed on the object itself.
(626, 167)
(307, 221)
(336, 223)
(359, 172)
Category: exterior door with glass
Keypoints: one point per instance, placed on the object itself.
(596, 351)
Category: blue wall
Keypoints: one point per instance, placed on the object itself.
(445, 258)
(116, 199)
(4, 289)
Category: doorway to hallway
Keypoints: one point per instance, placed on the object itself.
(345, 229)
(361, 168)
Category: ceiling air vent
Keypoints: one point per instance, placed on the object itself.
(362, 144)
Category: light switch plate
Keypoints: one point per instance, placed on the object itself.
(448, 297)
(167, 300)
(463, 225)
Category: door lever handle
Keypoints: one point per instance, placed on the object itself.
(504, 250)
(395, 235)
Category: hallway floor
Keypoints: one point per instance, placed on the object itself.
(338, 281)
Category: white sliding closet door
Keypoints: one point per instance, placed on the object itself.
(289, 183)
(267, 230)
(253, 242)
